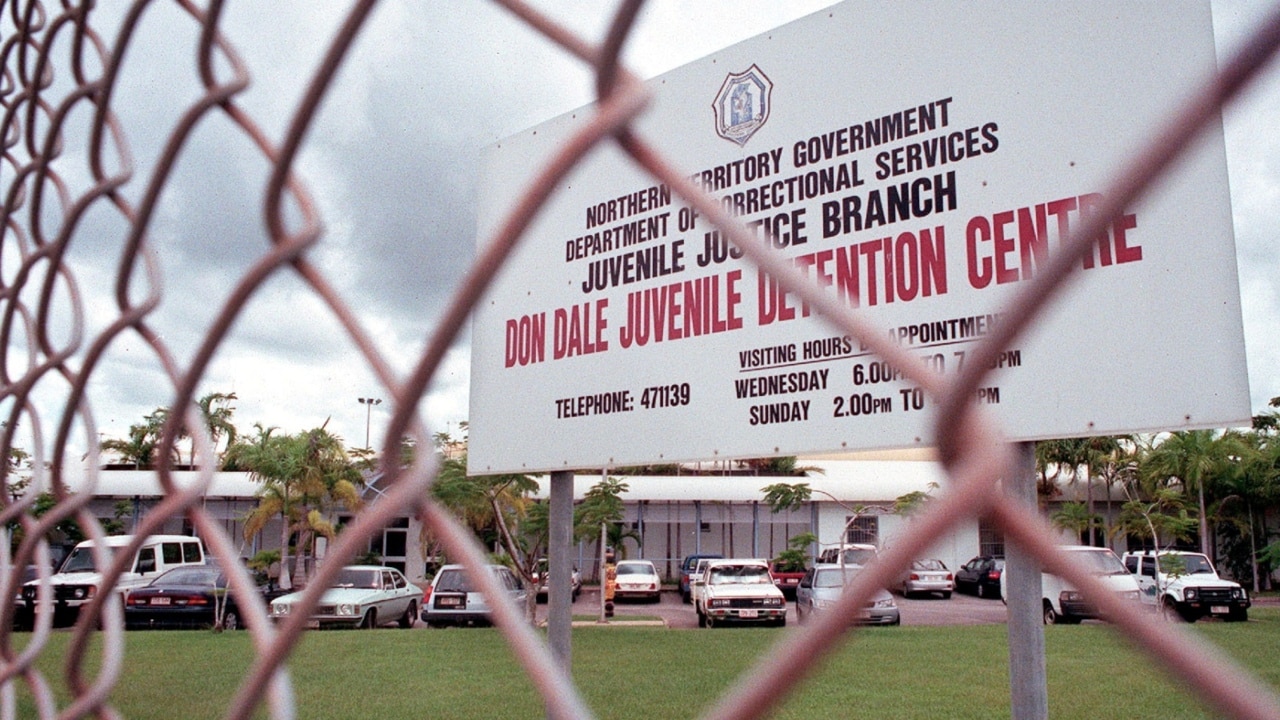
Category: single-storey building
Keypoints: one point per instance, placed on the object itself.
(668, 516)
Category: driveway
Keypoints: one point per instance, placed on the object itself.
(958, 610)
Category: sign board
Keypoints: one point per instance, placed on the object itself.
(919, 160)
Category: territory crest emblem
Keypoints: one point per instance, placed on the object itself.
(742, 105)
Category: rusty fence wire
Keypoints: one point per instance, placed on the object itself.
(58, 68)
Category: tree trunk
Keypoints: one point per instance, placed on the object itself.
(1204, 522)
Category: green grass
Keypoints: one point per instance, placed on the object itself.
(904, 672)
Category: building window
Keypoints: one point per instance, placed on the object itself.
(990, 539)
(864, 529)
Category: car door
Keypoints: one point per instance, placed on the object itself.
(804, 594)
(1148, 581)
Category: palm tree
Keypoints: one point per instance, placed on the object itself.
(216, 410)
(140, 448)
(1195, 458)
(304, 477)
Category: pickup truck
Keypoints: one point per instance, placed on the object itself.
(1185, 585)
(739, 591)
(79, 579)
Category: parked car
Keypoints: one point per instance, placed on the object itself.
(786, 577)
(926, 577)
(687, 570)
(981, 576)
(79, 578)
(362, 596)
(859, 554)
(822, 585)
(540, 579)
(453, 599)
(696, 582)
(637, 579)
(192, 596)
(740, 591)
(1185, 585)
(1063, 604)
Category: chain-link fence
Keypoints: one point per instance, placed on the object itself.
(60, 74)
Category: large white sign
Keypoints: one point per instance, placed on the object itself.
(920, 161)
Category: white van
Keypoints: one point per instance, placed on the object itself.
(1063, 604)
(79, 579)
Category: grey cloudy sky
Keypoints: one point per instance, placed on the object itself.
(392, 162)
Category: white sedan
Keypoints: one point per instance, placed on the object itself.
(637, 579)
(363, 596)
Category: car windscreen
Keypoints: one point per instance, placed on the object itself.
(634, 569)
(80, 560)
(859, 556)
(928, 565)
(1100, 562)
(452, 581)
(200, 575)
(356, 579)
(740, 574)
(1191, 564)
(834, 577)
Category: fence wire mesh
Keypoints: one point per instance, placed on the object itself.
(57, 94)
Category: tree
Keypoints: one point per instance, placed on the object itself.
(304, 478)
(140, 448)
(1195, 458)
(602, 506)
(1162, 516)
(501, 507)
(1076, 518)
(216, 411)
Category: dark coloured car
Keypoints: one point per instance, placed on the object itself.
(687, 567)
(981, 576)
(187, 597)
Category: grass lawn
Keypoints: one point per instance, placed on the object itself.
(903, 672)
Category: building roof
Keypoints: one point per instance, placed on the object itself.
(146, 483)
(870, 481)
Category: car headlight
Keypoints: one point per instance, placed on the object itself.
(348, 609)
(83, 592)
(773, 602)
(885, 603)
(1190, 594)
(719, 602)
(1069, 596)
(823, 603)
(1237, 594)
(279, 610)
(29, 593)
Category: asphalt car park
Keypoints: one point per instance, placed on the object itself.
(958, 610)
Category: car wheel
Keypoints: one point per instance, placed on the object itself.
(982, 590)
(782, 621)
(1169, 611)
(406, 620)
(702, 620)
(686, 598)
(1241, 615)
(370, 620)
(230, 620)
(800, 617)
(946, 595)
(1050, 615)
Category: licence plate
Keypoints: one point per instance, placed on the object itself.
(313, 624)
(449, 602)
(160, 601)
(1219, 610)
(748, 613)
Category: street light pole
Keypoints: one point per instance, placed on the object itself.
(368, 411)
